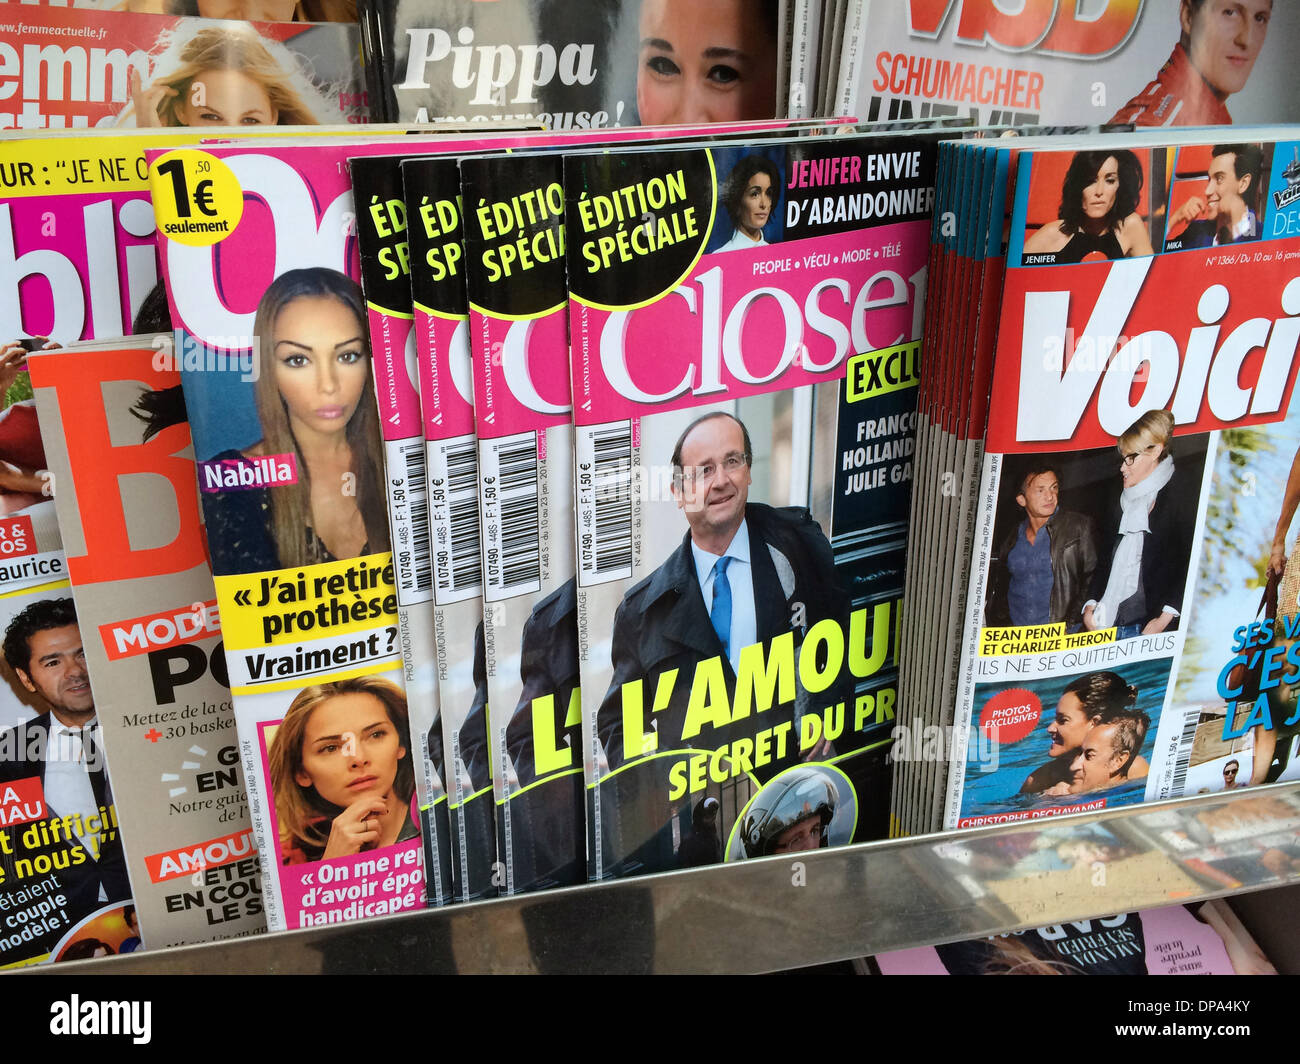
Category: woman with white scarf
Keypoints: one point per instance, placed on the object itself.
(1132, 593)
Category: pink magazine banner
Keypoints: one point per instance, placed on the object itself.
(1177, 943)
(298, 212)
(446, 385)
(391, 339)
(923, 960)
(521, 373)
(60, 277)
(747, 322)
(341, 889)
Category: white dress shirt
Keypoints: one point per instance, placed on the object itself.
(67, 782)
(740, 575)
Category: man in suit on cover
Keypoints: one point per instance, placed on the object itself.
(1043, 565)
(62, 749)
(744, 573)
(1225, 213)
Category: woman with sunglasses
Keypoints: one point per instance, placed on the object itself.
(1138, 585)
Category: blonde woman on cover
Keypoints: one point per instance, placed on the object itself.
(248, 10)
(341, 770)
(225, 75)
(1138, 585)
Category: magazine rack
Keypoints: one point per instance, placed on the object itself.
(781, 912)
(778, 913)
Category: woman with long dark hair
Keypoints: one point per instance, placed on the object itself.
(1098, 210)
(316, 404)
(1093, 698)
(750, 195)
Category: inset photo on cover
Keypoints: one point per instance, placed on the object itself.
(749, 207)
(1216, 195)
(342, 770)
(1101, 538)
(1089, 206)
(808, 807)
(1215, 763)
(1065, 740)
(62, 824)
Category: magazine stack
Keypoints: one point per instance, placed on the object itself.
(160, 854)
(727, 431)
(1115, 475)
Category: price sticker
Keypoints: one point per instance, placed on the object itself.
(197, 199)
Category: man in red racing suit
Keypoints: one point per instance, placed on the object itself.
(1214, 57)
(1178, 97)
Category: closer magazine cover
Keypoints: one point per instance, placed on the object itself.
(744, 329)
(510, 328)
(515, 273)
(441, 331)
(386, 283)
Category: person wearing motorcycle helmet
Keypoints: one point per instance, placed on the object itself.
(702, 846)
(790, 814)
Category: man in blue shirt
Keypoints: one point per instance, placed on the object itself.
(1042, 567)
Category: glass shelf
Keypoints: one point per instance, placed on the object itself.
(810, 908)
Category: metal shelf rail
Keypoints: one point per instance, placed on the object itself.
(809, 908)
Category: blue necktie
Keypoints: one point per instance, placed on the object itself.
(720, 613)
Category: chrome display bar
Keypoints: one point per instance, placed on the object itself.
(808, 908)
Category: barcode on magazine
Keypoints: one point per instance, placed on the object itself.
(408, 508)
(506, 825)
(453, 519)
(511, 532)
(456, 775)
(603, 496)
(1183, 760)
(595, 840)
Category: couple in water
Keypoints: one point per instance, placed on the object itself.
(1097, 737)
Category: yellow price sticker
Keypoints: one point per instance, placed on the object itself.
(197, 199)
